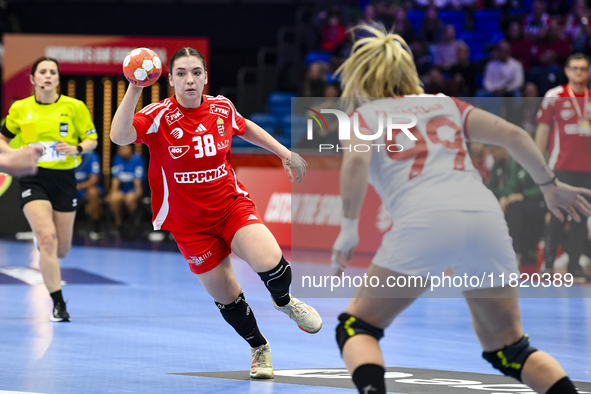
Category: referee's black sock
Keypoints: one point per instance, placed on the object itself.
(369, 378)
(57, 297)
(563, 386)
(278, 281)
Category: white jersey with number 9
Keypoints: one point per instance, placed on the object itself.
(433, 173)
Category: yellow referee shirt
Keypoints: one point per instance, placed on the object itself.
(65, 120)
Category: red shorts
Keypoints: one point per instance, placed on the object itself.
(205, 250)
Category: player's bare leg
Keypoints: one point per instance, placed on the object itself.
(40, 215)
(367, 315)
(497, 322)
(64, 227)
(222, 285)
(257, 246)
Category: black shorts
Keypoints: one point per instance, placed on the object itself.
(56, 186)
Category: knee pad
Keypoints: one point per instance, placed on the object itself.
(278, 279)
(350, 326)
(510, 359)
(239, 316)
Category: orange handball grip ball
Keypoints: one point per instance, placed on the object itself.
(142, 67)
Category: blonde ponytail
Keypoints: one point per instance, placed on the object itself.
(380, 65)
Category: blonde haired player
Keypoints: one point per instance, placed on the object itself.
(442, 213)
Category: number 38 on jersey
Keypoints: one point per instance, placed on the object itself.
(204, 146)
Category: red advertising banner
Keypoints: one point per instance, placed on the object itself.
(308, 215)
(79, 55)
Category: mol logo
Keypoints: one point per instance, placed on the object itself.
(178, 151)
(393, 127)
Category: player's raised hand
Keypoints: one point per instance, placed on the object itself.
(295, 162)
(567, 197)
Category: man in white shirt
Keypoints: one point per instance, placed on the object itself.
(503, 76)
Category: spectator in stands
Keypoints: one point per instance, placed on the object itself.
(563, 125)
(503, 75)
(482, 160)
(432, 27)
(90, 191)
(521, 200)
(553, 47)
(126, 186)
(536, 21)
(368, 16)
(332, 90)
(445, 53)
(465, 73)
(576, 26)
(558, 7)
(520, 45)
(386, 12)
(402, 26)
(315, 80)
(333, 32)
(436, 83)
(523, 112)
(422, 56)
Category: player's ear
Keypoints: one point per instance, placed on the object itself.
(32, 79)
(205, 77)
(170, 78)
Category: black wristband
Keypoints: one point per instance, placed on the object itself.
(553, 180)
(79, 149)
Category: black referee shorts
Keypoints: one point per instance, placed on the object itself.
(56, 186)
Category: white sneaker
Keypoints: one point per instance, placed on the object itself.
(261, 367)
(304, 315)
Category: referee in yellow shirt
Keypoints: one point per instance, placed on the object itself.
(63, 127)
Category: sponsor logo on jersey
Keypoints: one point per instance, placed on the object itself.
(178, 151)
(177, 133)
(218, 109)
(223, 144)
(201, 176)
(63, 130)
(251, 217)
(198, 260)
(566, 104)
(174, 116)
(26, 193)
(221, 128)
(91, 131)
(201, 128)
(566, 114)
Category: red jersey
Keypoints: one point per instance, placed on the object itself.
(192, 181)
(569, 149)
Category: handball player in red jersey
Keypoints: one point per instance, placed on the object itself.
(196, 196)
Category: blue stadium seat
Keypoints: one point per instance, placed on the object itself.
(279, 103)
(266, 121)
(293, 126)
(472, 38)
(477, 52)
(416, 18)
(317, 56)
(238, 142)
(496, 37)
(453, 17)
(487, 16)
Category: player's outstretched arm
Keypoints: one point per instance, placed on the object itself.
(354, 180)
(122, 130)
(21, 162)
(291, 161)
(487, 128)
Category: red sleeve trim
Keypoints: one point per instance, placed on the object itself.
(464, 108)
